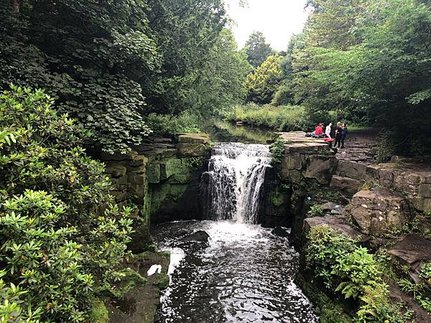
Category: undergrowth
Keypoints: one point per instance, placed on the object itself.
(352, 273)
(281, 118)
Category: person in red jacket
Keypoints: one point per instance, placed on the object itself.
(319, 130)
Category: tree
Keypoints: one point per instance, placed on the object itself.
(221, 81)
(186, 32)
(285, 93)
(264, 81)
(376, 69)
(63, 237)
(257, 49)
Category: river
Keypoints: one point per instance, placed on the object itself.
(228, 268)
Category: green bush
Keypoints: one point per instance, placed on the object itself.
(315, 210)
(277, 151)
(283, 96)
(63, 236)
(281, 118)
(351, 271)
(163, 124)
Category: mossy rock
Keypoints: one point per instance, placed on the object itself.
(166, 195)
(139, 304)
(99, 313)
(194, 138)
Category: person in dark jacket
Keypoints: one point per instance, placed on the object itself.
(343, 134)
(338, 131)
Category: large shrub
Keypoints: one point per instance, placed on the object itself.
(62, 236)
(352, 272)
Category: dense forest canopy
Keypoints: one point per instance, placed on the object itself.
(110, 64)
(370, 62)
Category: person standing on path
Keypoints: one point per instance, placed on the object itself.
(328, 130)
(343, 134)
(338, 134)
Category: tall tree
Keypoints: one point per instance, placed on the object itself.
(264, 81)
(257, 49)
(186, 31)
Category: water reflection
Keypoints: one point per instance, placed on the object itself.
(223, 131)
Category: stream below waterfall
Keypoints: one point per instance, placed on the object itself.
(228, 268)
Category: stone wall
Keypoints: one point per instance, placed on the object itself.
(161, 177)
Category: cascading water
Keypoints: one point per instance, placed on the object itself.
(235, 178)
(242, 272)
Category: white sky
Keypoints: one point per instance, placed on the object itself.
(278, 20)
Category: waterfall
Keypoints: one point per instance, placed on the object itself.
(234, 181)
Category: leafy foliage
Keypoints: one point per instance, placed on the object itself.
(264, 81)
(277, 151)
(257, 49)
(351, 271)
(90, 56)
(110, 64)
(63, 237)
(282, 118)
(315, 210)
(369, 61)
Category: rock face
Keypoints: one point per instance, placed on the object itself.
(411, 249)
(139, 304)
(192, 145)
(307, 163)
(379, 212)
(161, 178)
(411, 178)
(306, 158)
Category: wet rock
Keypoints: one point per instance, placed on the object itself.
(199, 236)
(379, 211)
(279, 231)
(140, 302)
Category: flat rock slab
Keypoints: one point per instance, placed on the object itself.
(336, 223)
(296, 141)
(193, 138)
(412, 249)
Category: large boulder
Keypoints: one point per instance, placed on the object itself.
(321, 168)
(346, 184)
(337, 223)
(379, 212)
(350, 169)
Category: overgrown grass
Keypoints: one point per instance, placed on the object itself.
(281, 118)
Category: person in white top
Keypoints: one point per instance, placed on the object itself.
(328, 130)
